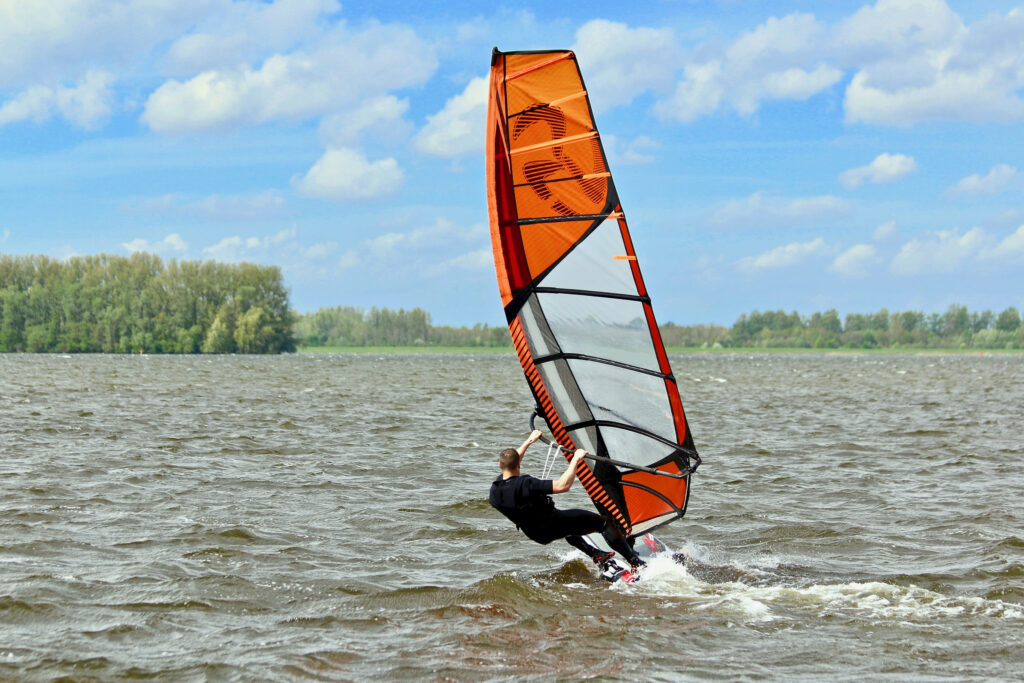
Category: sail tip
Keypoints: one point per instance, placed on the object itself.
(495, 53)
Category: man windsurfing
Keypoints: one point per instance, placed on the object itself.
(525, 501)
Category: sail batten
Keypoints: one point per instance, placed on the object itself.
(570, 217)
(579, 312)
(606, 361)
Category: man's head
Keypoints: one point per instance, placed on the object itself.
(508, 460)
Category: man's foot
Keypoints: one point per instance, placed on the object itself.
(600, 558)
(612, 570)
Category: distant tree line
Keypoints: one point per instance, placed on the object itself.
(352, 326)
(957, 328)
(116, 304)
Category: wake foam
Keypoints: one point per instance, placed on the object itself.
(760, 594)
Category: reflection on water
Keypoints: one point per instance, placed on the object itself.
(324, 516)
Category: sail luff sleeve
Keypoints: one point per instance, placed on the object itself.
(573, 294)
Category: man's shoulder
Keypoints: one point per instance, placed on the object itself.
(523, 482)
(528, 481)
(533, 485)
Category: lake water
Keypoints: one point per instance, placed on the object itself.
(324, 517)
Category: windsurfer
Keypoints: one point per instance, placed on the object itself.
(525, 501)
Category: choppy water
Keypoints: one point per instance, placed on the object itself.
(324, 517)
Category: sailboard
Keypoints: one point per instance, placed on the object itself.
(578, 311)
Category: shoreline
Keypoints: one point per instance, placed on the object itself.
(679, 350)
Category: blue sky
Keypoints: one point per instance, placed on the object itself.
(791, 155)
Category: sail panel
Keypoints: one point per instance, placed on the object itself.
(596, 265)
(544, 244)
(526, 88)
(631, 398)
(578, 310)
(635, 447)
(557, 161)
(604, 328)
(538, 332)
(565, 393)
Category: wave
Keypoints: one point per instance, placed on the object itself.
(750, 594)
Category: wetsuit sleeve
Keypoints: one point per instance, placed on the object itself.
(540, 487)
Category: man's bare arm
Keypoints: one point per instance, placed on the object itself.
(564, 482)
(530, 440)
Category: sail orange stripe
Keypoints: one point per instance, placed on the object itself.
(539, 65)
(553, 143)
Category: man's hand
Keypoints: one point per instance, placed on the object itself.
(577, 456)
(530, 440)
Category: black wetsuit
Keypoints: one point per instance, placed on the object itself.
(526, 501)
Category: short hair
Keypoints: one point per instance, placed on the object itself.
(508, 459)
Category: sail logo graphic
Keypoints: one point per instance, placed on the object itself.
(559, 180)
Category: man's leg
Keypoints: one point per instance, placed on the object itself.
(618, 543)
(581, 544)
(572, 525)
(575, 523)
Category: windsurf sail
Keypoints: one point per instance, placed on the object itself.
(570, 283)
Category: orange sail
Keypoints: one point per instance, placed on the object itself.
(570, 283)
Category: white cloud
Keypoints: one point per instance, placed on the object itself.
(344, 174)
(162, 204)
(320, 251)
(381, 117)
(909, 60)
(896, 28)
(280, 237)
(620, 63)
(954, 97)
(480, 259)
(782, 59)
(459, 127)
(236, 32)
(440, 233)
(758, 211)
(938, 252)
(884, 231)
(700, 93)
(171, 243)
(241, 207)
(85, 104)
(427, 249)
(1010, 248)
(784, 256)
(475, 29)
(350, 259)
(638, 151)
(61, 39)
(886, 168)
(235, 247)
(228, 249)
(5, 236)
(995, 182)
(917, 61)
(854, 261)
(349, 69)
(385, 244)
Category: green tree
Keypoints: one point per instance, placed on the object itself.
(1008, 320)
(220, 338)
(956, 321)
(253, 333)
